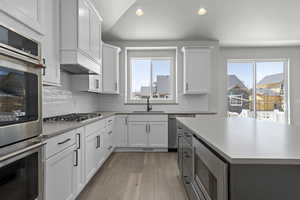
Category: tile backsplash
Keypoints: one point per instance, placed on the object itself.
(61, 100)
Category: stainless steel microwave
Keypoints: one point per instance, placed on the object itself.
(20, 88)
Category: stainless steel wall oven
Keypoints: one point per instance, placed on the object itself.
(21, 162)
(20, 88)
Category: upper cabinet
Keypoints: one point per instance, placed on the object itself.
(110, 69)
(80, 37)
(197, 68)
(28, 12)
(50, 45)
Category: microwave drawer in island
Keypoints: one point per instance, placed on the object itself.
(261, 162)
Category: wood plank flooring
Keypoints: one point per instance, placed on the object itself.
(136, 176)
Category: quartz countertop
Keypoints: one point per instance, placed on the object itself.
(51, 129)
(248, 141)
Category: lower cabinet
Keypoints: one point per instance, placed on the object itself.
(91, 153)
(60, 176)
(120, 136)
(148, 134)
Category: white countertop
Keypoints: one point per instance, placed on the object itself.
(247, 141)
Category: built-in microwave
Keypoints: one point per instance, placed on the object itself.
(210, 174)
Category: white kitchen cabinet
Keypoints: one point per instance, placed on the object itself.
(91, 153)
(80, 37)
(87, 83)
(29, 12)
(138, 134)
(120, 131)
(197, 67)
(110, 69)
(157, 134)
(60, 176)
(50, 46)
(150, 131)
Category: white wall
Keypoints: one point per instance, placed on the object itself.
(61, 100)
(185, 102)
(291, 53)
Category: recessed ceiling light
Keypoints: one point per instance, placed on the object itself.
(139, 12)
(202, 11)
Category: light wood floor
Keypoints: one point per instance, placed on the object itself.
(136, 176)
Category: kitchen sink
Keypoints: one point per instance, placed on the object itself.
(150, 112)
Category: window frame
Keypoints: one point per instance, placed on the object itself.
(128, 75)
(286, 72)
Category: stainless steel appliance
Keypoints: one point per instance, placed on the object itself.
(20, 88)
(172, 131)
(79, 117)
(21, 163)
(210, 174)
(21, 171)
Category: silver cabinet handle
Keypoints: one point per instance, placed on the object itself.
(126, 121)
(146, 128)
(65, 141)
(186, 86)
(76, 158)
(109, 121)
(79, 140)
(149, 127)
(116, 86)
(98, 142)
(109, 148)
(110, 132)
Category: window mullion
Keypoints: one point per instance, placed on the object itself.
(254, 89)
(151, 81)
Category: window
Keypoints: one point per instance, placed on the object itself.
(236, 100)
(258, 89)
(151, 75)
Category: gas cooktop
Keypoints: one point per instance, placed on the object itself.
(74, 117)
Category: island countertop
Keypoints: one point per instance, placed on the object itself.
(248, 141)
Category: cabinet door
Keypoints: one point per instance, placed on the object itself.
(60, 176)
(101, 150)
(91, 146)
(29, 12)
(110, 69)
(138, 134)
(197, 63)
(95, 30)
(50, 45)
(80, 173)
(120, 132)
(158, 134)
(84, 26)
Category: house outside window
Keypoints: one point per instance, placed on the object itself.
(151, 73)
(263, 88)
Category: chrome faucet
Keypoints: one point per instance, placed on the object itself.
(149, 107)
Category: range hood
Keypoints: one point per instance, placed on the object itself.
(78, 69)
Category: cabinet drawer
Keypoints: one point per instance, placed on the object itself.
(96, 126)
(148, 118)
(59, 143)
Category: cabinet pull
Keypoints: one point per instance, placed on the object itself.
(109, 121)
(126, 121)
(110, 132)
(76, 158)
(109, 148)
(146, 128)
(79, 141)
(149, 127)
(63, 142)
(186, 86)
(98, 141)
(44, 68)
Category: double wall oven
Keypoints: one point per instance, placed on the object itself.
(21, 167)
(203, 173)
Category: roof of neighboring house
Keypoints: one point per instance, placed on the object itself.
(266, 91)
(234, 81)
(275, 78)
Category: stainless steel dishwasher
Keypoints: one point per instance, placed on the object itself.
(172, 131)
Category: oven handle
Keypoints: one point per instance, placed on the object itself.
(14, 154)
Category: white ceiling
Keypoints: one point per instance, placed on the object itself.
(232, 22)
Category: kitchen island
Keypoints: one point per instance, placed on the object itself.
(243, 159)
